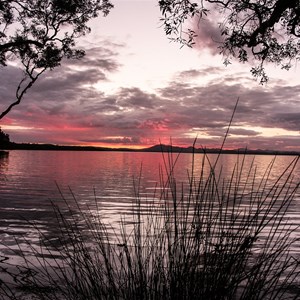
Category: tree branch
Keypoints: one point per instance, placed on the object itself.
(7, 46)
(279, 8)
(21, 91)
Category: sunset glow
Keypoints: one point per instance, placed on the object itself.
(134, 89)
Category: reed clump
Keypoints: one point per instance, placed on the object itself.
(211, 237)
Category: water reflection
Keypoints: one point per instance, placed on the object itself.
(4, 160)
(106, 182)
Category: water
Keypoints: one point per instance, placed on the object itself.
(30, 181)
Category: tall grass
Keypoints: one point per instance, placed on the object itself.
(211, 237)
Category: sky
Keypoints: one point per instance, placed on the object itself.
(136, 88)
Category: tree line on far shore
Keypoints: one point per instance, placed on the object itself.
(4, 137)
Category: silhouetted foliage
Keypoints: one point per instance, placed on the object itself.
(38, 34)
(4, 137)
(267, 30)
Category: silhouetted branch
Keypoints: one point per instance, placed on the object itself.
(21, 90)
(19, 43)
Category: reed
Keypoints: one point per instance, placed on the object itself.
(211, 237)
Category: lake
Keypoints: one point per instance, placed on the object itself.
(30, 181)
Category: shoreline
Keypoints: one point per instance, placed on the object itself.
(156, 148)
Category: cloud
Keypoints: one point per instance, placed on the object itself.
(10, 77)
(114, 140)
(189, 74)
(243, 132)
(61, 91)
(289, 120)
(66, 108)
(100, 57)
(208, 33)
(135, 98)
(291, 143)
(77, 73)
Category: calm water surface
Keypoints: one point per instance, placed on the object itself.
(31, 180)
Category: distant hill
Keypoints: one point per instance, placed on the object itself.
(176, 149)
(155, 148)
(169, 148)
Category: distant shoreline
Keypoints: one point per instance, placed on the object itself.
(156, 148)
